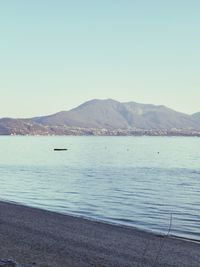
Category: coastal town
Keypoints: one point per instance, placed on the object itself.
(76, 131)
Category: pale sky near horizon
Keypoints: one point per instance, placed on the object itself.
(56, 54)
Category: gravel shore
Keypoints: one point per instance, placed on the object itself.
(36, 237)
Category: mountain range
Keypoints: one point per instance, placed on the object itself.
(108, 115)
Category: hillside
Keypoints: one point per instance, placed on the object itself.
(196, 117)
(96, 116)
(113, 114)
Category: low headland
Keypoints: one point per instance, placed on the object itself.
(35, 237)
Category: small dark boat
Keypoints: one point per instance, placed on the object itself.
(60, 149)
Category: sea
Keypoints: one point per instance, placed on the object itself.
(151, 183)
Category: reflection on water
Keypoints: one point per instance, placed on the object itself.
(117, 179)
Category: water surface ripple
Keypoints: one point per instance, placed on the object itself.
(121, 180)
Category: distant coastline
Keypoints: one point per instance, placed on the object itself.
(107, 118)
(66, 131)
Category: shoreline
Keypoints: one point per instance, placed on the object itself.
(32, 235)
(101, 135)
(106, 222)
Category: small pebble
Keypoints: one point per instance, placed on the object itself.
(11, 263)
(7, 263)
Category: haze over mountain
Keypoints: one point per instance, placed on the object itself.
(113, 114)
(107, 114)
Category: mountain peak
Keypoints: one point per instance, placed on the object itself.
(98, 101)
(111, 114)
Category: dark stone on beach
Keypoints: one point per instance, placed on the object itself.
(11, 263)
(7, 263)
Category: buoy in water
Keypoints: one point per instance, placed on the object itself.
(60, 149)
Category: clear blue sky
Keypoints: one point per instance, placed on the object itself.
(56, 54)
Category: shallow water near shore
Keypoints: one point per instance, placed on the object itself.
(135, 181)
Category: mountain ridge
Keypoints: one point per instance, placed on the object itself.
(110, 113)
(105, 114)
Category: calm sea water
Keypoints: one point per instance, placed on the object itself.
(121, 180)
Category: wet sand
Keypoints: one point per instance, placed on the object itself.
(42, 238)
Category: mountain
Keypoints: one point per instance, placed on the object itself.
(92, 114)
(109, 115)
(196, 117)
(10, 126)
(112, 114)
